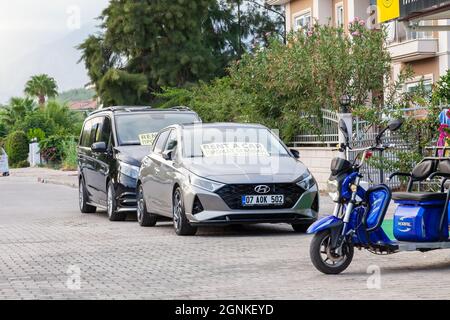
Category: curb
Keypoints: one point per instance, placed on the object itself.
(57, 182)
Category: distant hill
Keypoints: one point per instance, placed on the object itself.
(74, 95)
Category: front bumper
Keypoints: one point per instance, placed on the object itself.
(126, 194)
(217, 212)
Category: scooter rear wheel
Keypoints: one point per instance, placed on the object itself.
(325, 259)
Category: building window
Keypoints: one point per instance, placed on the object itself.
(302, 21)
(340, 15)
(422, 86)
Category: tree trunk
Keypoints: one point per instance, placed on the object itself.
(41, 101)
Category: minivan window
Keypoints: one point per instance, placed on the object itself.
(130, 126)
(161, 141)
(85, 136)
(104, 131)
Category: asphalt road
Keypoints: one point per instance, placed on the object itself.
(48, 250)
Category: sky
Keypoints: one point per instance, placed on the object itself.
(40, 36)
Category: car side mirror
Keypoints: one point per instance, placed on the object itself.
(99, 147)
(295, 153)
(167, 155)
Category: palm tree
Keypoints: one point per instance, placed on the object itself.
(16, 110)
(41, 86)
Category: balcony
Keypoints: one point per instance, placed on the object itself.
(415, 49)
(277, 2)
(408, 45)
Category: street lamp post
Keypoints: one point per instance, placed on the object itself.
(346, 116)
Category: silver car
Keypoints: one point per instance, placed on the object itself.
(220, 174)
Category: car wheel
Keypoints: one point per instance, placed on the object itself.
(180, 222)
(83, 198)
(301, 228)
(112, 206)
(144, 218)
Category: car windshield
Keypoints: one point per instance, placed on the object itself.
(141, 128)
(231, 141)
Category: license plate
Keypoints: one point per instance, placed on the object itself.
(266, 200)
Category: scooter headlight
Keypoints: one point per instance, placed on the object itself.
(333, 190)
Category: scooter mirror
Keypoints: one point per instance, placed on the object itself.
(344, 130)
(394, 125)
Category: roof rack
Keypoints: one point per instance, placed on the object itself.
(122, 108)
(181, 108)
(137, 109)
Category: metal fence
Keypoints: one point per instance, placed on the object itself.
(327, 132)
(376, 174)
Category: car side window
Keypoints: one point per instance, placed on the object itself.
(172, 142)
(104, 131)
(95, 127)
(161, 141)
(86, 136)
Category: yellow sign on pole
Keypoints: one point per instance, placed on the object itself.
(388, 10)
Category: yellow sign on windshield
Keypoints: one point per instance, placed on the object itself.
(147, 139)
(388, 10)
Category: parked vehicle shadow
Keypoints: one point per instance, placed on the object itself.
(242, 230)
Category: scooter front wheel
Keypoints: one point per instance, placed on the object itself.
(326, 259)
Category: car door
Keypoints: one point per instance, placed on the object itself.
(85, 161)
(152, 182)
(102, 160)
(168, 173)
(92, 168)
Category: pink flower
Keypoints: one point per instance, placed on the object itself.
(356, 33)
(310, 33)
(362, 23)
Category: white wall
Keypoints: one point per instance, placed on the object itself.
(318, 160)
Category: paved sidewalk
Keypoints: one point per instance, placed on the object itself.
(44, 175)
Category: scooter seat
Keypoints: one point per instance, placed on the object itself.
(419, 196)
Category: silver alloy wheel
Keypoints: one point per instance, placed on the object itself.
(177, 208)
(80, 194)
(110, 201)
(328, 256)
(140, 208)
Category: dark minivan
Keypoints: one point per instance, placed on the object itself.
(112, 144)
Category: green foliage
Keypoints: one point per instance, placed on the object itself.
(36, 133)
(119, 87)
(17, 147)
(285, 86)
(16, 111)
(441, 92)
(218, 101)
(41, 86)
(69, 154)
(80, 94)
(170, 43)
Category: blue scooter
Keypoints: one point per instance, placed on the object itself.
(421, 220)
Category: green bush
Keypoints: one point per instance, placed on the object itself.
(22, 164)
(69, 154)
(17, 147)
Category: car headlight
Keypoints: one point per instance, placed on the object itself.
(129, 170)
(333, 190)
(205, 184)
(306, 181)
